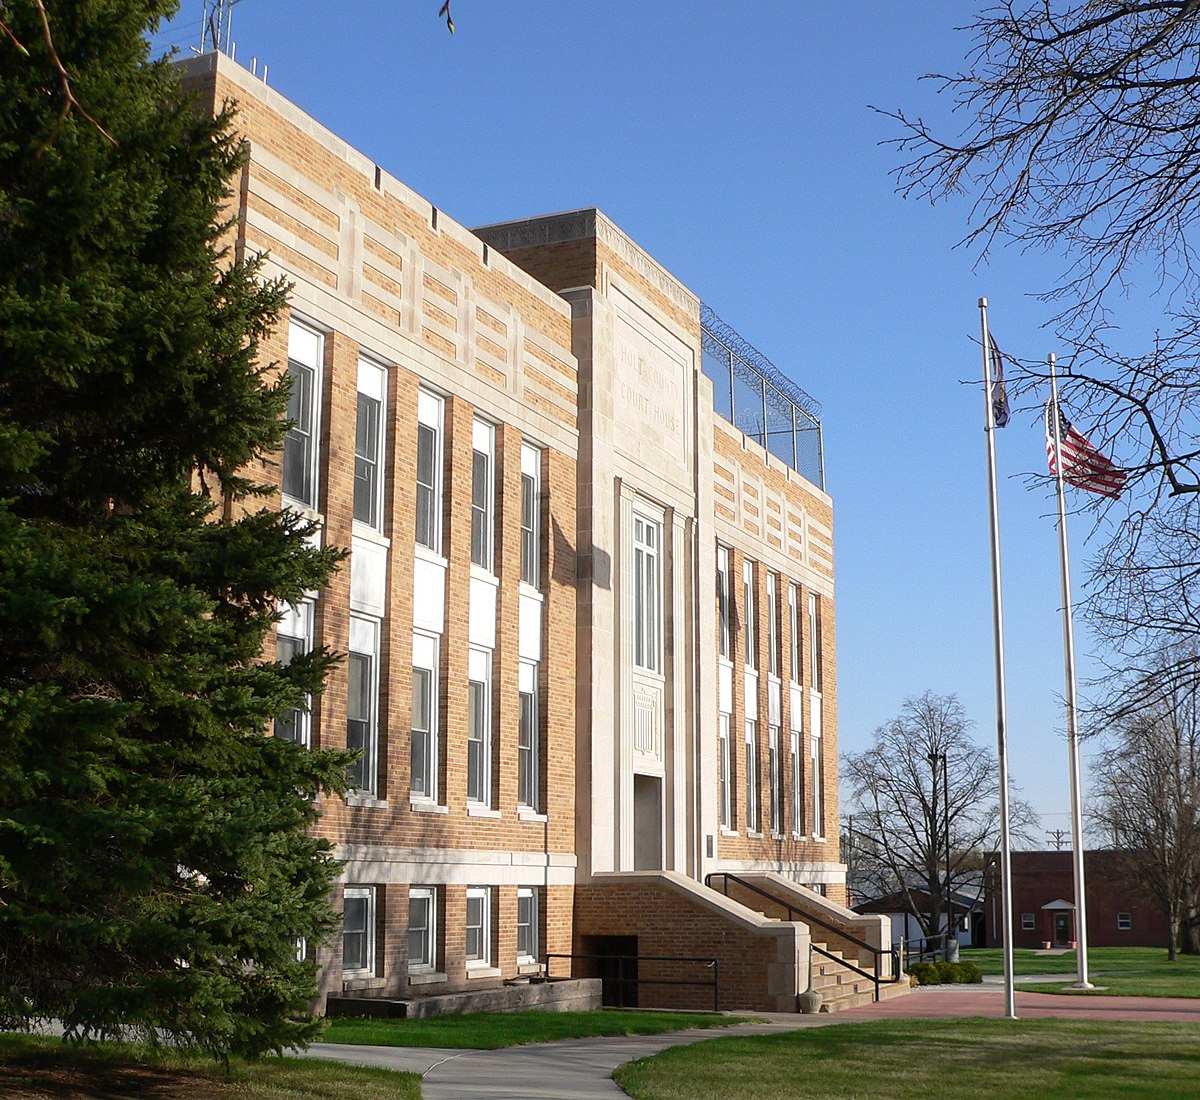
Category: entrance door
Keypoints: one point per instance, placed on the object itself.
(647, 823)
(614, 961)
(1062, 929)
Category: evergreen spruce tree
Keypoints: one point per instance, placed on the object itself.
(156, 862)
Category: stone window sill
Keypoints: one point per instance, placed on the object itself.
(427, 977)
(423, 807)
(478, 809)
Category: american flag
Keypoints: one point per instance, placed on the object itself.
(1083, 465)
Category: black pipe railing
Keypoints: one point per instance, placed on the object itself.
(877, 953)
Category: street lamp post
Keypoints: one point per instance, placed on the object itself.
(951, 954)
(934, 758)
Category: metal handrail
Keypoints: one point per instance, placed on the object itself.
(712, 963)
(807, 917)
(850, 966)
(929, 945)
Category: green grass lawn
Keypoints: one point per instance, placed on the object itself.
(492, 1030)
(1123, 971)
(39, 1068)
(918, 1059)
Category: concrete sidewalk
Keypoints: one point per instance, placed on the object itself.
(570, 1069)
(581, 1069)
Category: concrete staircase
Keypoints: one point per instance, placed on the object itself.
(833, 929)
(842, 988)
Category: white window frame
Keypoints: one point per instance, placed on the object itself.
(367, 895)
(426, 962)
(306, 353)
(1124, 922)
(725, 776)
(752, 784)
(296, 625)
(364, 642)
(531, 516)
(430, 409)
(528, 756)
(749, 638)
(647, 592)
(797, 786)
(481, 896)
(795, 672)
(775, 784)
(772, 627)
(723, 607)
(426, 659)
(818, 787)
(483, 494)
(479, 730)
(814, 642)
(529, 895)
(372, 387)
(1028, 922)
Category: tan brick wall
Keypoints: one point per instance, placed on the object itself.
(668, 923)
(744, 540)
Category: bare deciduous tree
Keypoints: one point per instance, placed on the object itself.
(1081, 139)
(1147, 792)
(901, 802)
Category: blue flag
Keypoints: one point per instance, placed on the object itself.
(999, 395)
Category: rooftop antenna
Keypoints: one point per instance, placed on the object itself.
(216, 24)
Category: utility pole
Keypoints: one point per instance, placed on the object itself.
(1059, 836)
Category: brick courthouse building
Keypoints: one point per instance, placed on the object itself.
(589, 623)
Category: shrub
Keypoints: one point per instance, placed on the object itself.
(944, 973)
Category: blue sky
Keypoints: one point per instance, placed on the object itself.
(734, 141)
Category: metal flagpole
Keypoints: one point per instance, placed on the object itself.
(1010, 1004)
(1072, 702)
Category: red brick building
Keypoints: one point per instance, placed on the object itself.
(1119, 914)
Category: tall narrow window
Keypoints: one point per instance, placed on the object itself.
(752, 775)
(424, 756)
(527, 925)
(797, 786)
(362, 706)
(723, 601)
(482, 494)
(294, 638)
(358, 931)
(479, 927)
(814, 641)
(772, 627)
(818, 788)
(429, 471)
(422, 929)
(531, 520)
(774, 779)
(748, 614)
(646, 610)
(368, 446)
(479, 727)
(794, 622)
(528, 747)
(300, 444)
(726, 777)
